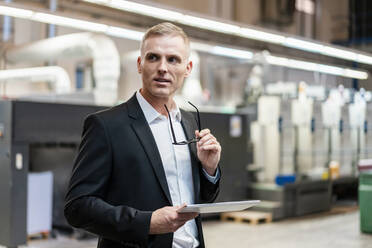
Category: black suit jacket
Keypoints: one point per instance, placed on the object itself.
(118, 179)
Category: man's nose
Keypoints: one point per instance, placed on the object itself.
(162, 68)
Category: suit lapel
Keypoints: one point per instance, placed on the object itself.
(189, 133)
(144, 134)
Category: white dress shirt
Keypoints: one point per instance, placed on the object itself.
(177, 166)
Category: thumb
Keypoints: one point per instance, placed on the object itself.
(178, 208)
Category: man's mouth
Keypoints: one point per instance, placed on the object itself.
(162, 80)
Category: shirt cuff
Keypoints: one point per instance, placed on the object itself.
(212, 179)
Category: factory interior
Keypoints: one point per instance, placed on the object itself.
(285, 86)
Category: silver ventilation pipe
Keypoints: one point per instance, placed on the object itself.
(98, 47)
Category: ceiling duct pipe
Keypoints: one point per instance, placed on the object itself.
(98, 47)
(52, 74)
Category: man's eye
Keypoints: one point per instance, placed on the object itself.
(172, 60)
(151, 57)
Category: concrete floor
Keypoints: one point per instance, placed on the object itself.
(341, 231)
(320, 231)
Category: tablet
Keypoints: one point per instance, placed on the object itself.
(219, 207)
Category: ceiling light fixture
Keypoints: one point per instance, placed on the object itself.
(303, 45)
(124, 33)
(69, 22)
(310, 66)
(339, 53)
(234, 53)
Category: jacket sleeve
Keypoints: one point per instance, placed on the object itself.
(208, 190)
(85, 205)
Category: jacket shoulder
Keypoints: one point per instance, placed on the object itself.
(113, 112)
(119, 112)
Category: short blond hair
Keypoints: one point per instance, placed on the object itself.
(166, 28)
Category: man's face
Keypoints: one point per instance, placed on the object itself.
(164, 65)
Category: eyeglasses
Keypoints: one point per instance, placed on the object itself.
(185, 142)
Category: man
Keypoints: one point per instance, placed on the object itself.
(129, 180)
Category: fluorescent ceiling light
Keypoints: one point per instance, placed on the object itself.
(124, 33)
(170, 15)
(132, 7)
(310, 66)
(364, 59)
(230, 52)
(328, 69)
(355, 74)
(302, 65)
(98, 1)
(303, 45)
(209, 24)
(201, 47)
(280, 61)
(339, 53)
(222, 51)
(262, 36)
(144, 9)
(222, 27)
(69, 22)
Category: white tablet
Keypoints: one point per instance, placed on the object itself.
(219, 207)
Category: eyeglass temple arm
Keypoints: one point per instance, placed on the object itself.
(197, 112)
(170, 121)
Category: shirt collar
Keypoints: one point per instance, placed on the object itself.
(151, 114)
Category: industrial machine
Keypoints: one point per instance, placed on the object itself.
(283, 130)
(35, 137)
(306, 152)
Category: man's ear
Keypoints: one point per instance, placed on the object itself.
(188, 68)
(139, 64)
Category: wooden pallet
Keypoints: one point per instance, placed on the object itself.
(252, 217)
(40, 235)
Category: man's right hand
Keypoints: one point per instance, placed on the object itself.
(167, 219)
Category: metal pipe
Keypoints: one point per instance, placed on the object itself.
(51, 27)
(53, 74)
(99, 48)
(7, 26)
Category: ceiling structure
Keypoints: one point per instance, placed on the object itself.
(96, 12)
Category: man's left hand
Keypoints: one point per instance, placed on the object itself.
(209, 151)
